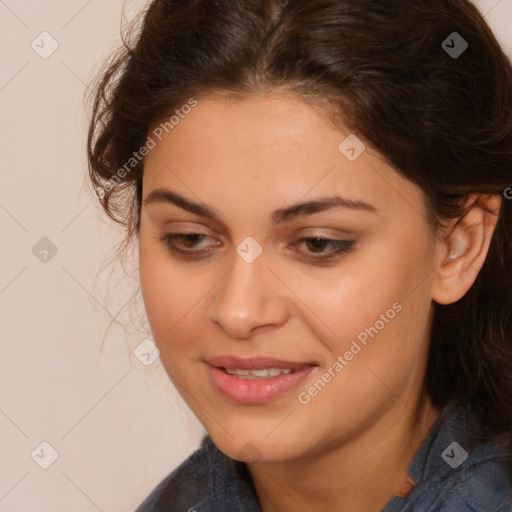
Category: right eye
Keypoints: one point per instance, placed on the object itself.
(183, 244)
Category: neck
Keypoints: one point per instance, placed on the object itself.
(360, 475)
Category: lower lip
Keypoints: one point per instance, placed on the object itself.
(256, 391)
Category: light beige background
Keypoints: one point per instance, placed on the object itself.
(66, 377)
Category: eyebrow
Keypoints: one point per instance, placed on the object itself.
(165, 196)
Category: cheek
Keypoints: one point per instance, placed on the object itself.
(168, 293)
(382, 294)
(175, 298)
(377, 352)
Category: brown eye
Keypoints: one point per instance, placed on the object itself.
(186, 243)
(316, 247)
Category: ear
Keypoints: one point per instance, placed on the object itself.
(461, 253)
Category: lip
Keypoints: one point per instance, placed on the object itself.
(256, 363)
(256, 391)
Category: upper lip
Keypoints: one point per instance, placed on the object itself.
(256, 363)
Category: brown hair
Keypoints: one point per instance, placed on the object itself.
(443, 121)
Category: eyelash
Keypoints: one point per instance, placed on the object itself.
(339, 246)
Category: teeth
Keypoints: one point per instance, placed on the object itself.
(259, 374)
(238, 372)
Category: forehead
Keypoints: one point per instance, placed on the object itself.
(267, 151)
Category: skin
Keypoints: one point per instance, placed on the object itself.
(348, 449)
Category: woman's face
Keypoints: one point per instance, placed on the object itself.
(348, 320)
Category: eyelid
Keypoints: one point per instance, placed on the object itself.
(197, 228)
(294, 226)
(176, 226)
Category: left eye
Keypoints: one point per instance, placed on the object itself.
(317, 244)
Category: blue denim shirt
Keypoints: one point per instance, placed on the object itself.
(451, 475)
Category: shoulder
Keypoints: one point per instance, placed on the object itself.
(183, 488)
(209, 481)
(459, 469)
(483, 484)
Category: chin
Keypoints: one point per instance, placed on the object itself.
(255, 448)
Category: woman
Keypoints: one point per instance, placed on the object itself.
(318, 191)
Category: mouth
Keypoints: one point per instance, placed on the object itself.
(256, 380)
(264, 373)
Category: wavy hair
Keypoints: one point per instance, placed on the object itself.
(443, 121)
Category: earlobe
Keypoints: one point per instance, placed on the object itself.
(463, 252)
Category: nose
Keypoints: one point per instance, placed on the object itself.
(249, 299)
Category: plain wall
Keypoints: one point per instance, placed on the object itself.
(66, 378)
